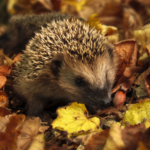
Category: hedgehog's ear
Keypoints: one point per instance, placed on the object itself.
(56, 64)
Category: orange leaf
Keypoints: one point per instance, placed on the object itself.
(3, 80)
(3, 99)
(4, 69)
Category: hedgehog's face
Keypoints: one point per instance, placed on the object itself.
(84, 82)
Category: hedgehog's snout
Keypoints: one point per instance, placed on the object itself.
(107, 101)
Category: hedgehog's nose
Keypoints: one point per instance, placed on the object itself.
(107, 101)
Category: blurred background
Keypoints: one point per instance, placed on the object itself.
(125, 15)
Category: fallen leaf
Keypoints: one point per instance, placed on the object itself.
(94, 21)
(98, 140)
(127, 51)
(137, 113)
(4, 70)
(29, 130)
(76, 121)
(142, 81)
(131, 135)
(114, 141)
(38, 142)
(143, 38)
(3, 80)
(79, 5)
(9, 130)
(4, 111)
(3, 99)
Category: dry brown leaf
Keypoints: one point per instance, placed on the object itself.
(127, 51)
(131, 135)
(29, 130)
(3, 99)
(9, 130)
(98, 141)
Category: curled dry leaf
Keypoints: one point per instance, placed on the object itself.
(119, 98)
(127, 51)
(3, 99)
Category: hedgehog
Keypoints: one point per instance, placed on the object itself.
(66, 60)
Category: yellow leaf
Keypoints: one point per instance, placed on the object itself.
(142, 59)
(143, 38)
(73, 119)
(147, 123)
(94, 21)
(137, 113)
(78, 4)
(10, 6)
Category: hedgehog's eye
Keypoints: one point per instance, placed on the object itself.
(80, 81)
